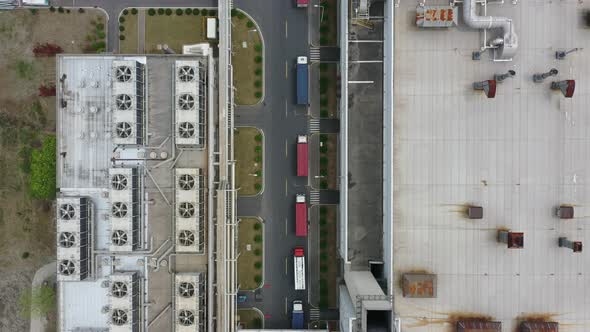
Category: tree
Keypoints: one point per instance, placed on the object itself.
(212, 12)
(151, 12)
(60, 9)
(258, 59)
(241, 15)
(257, 226)
(234, 12)
(257, 238)
(161, 11)
(258, 186)
(121, 19)
(258, 94)
(37, 302)
(258, 48)
(258, 138)
(81, 10)
(121, 37)
(168, 11)
(258, 72)
(204, 12)
(134, 11)
(257, 149)
(258, 265)
(99, 26)
(125, 11)
(121, 28)
(257, 252)
(323, 172)
(42, 181)
(52, 9)
(323, 149)
(196, 11)
(250, 24)
(258, 278)
(179, 12)
(188, 11)
(258, 83)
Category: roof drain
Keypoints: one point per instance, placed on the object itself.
(506, 45)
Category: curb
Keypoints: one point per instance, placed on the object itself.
(263, 58)
(263, 160)
(259, 312)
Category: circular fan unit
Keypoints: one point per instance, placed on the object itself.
(186, 102)
(186, 238)
(186, 209)
(123, 102)
(119, 289)
(186, 182)
(124, 129)
(123, 74)
(186, 73)
(186, 289)
(66, 267)
(119, 182)
(186, 130)
(119, 317)
(119, 210)
(67, 240)
(186, 317)
(119, 238)
(67, 212)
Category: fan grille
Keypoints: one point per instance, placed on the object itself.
(119, 182)
(66, 267)
(119, 317)
(186, 73)
(186, 209)
(119, 238)
(123, 102)
(124, 129)
(186, 317)
(186, 102)
(67, 212)
(67, 240)
(186, 289)
(186, 130)
(123, 74)
(186, 238)
(119, 210)
(186, 182)
(119, 289)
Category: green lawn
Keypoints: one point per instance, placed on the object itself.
(129, 45)
(248, 155)
(250, 261)
(174, 31)
(250, 319)
(329, 25)
(247, 63)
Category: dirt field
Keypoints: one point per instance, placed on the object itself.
(27, 237)
(249, 176)
(246, 268)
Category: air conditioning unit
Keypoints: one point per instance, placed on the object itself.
(74, 216)
(188, 302)
(189, 209)
(124, 306)
(128, 97)
(125, 208)
(190, 103)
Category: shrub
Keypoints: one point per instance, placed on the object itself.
(324, 28)
(151, 12)
(258, 238)
(258, 94)
(52, 9)
(323, 138)
(38, 302)
(25, 255)
(60, 9)
(102, 35)
(179, 12)
(212, 12)
(323, 210)
(258, 265)
(324, 172)
(196, 11)
(258, 72)
(98, 45)
(168, 11)
(121, 19)
(258, 279)
(258, 149)
(323, 221)
(241, 15)
(258, 138)
(81, 10)
(99, 26)
(258, 48)
(161, 11)
(257, 226)
(324, 113)
(323, 66)
(250, 24)
(323, 149)
(121, 28)
(323, 161)
(258, 186)
(42, 180)
(323, 269)
(324, 102)
(188, 11)
(134, 11)
(257, 252)
(125, 11)
(323, 233)
(258, 59)
(234, 12)
(258, 83)
(324, 185)
(121, 37)
(68, 11)
(323, 256)
(323, 40)
(323, 244)
(204, 12)
(258, 159)
(258, 173)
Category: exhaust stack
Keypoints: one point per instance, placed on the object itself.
(566, 87)
(488, 87)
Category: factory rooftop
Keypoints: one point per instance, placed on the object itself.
(519, 155)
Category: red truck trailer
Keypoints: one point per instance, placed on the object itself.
(302, 3)
(300, 216)
(302, 155)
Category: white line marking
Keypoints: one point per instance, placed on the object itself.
(286, 229)
(286, 149)
(286, 69)
(285, 305)
(286, 30)
(285, 187)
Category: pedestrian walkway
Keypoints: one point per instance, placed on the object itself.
(314, 314)
(314, 54)
(314, 197)
(141, 32)
(314, 126)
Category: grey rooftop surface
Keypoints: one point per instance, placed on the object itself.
(519, 156)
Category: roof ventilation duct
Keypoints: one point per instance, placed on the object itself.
(506, 47)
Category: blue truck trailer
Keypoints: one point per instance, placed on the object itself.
(302, 81)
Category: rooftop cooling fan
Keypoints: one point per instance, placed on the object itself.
(186, 102)
(66, 267)
(186, 317)
(119, 238)
(67, 240)
(186, 182)
(186, 130)
(123, 74)
(67, 212)
(186, 209)
(186, 289)
(124, 129)
(186, 73)
(119, 289)
(119, 182)
(123, 102)
(119, 210)
(186, 238)
(119, 317)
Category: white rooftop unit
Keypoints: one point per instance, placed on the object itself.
(74, 215)
(189, 211)
(189, 103)
(189, 302)
(125, 208)
(128, 91)
(211, 28)
(124, 306)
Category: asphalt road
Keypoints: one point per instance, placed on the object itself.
(285, 33)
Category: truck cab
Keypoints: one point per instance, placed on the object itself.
(297, 316)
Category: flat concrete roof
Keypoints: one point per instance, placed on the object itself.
(518, 156)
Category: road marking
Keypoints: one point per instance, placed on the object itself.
(286, 306)
(286, 34)
(285, 187)
(286, 69)
(286, 149)
(286, 228)
(285, 108)
(286, 264)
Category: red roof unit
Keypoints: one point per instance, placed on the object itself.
(539, 327)
(302, 3)
(478, 326)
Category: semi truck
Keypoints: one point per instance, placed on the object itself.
(302, 155)
(302, 81)
(300, 216)
(301, 3)
(299, 262)
(297, 316)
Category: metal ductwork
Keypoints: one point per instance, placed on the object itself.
(509, 42)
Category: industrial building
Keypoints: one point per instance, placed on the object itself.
(134, 168)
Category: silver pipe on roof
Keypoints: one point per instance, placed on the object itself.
(509, 39)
